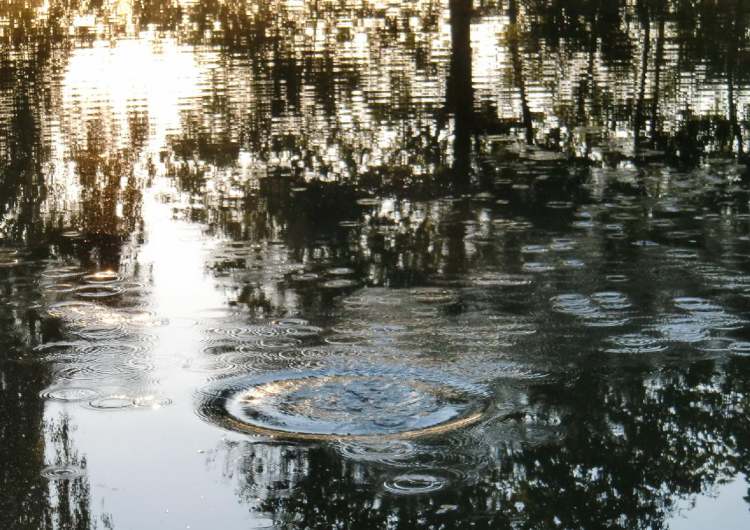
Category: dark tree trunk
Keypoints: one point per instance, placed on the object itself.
(736, 43)
(460, 97)
(518, 75)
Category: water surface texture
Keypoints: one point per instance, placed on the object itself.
(374, 264)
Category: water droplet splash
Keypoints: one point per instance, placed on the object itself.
(415, 484)
(331, 404)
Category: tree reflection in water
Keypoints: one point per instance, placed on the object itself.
(461, 146)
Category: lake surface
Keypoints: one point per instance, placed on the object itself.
(353, 264)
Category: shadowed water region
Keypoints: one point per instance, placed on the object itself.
(355, 264)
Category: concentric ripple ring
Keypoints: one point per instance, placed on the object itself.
(360, 404)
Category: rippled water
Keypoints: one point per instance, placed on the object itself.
(374, 265)
(369, 403)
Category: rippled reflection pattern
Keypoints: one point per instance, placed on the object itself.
(374, 264)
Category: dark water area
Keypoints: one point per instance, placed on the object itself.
(340, 264)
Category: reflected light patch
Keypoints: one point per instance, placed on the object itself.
(151, 74)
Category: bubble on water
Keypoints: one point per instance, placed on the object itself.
(372, 403)
(116, 349)
(635, 344)
(140, 318)
(708, 314)
(152, 402)
(574, 304)
(291, 322)
(740, 348)
(259, 361)
(604, 321)
(519, 225)
(60, 288)
(112, 325)
(501, 280)
(303, 331)
(69, 393)
(681, 329)
(385, 452)
(59, 350)
(681, 254)
(611, 300)
(415, 484)
(434, 295)
(346, 335)
(62, 472)
(461, 454)
(221, 347)
(562, 244)
(537, 267)
(102, 277)
(100, 331)
(72, 310)
(722, 321)
(572, 264)
(559, 205)
(252, 333)
(298, 358)
(9, 257)
(305, 277)
(680, 234)
(96, 291)
(604, 309)
(715, 345)
(93, 362)
(387, 329)
(694, 304)
(279, 342)
(96, 371)
(661, 223)
(141, 363)
(357, 302)
(340, 271)
(112, 402)
(645, 243)
(339, 283)
(623, 216)
(215, 365)
(482, 196)
(62, 273)
(513, 326)
(534, 249)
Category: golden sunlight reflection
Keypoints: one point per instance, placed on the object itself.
(114, 80)
(175, 251)
(488, 57)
